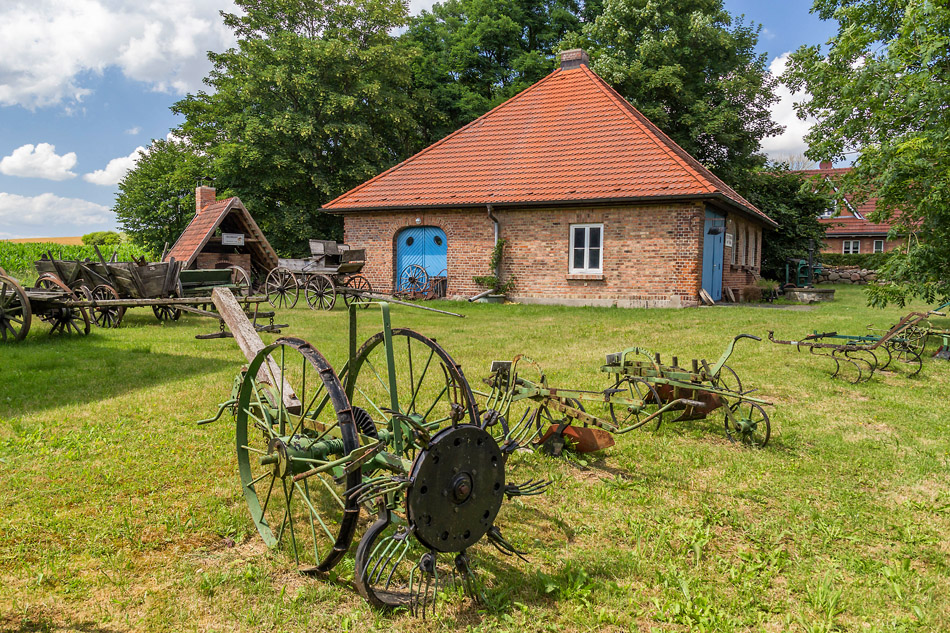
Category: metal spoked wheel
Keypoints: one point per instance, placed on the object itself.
(282, 288)
(748, 424)
(15, 314)
(728, 380)
(413, 278)
(298, 504)
(635, 388)
(907, 356)
(360, 284)
(320, 293)
(64, 319)
(106, 316)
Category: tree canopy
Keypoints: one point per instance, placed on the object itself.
(692, 69)
(881, 90)
(156, 200)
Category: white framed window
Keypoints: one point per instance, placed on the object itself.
(587, 245)
(851, 247)
(878, 246)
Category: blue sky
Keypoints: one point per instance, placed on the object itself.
(84, 84)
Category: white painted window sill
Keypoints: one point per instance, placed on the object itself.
(585, 277)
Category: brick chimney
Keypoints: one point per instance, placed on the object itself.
(824, 165)
(203, 197)
(574, 58)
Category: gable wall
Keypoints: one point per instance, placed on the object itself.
(651, 257)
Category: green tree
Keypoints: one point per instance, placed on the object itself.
(156, 199)
(881, 90)
(101, 238)
(475, 54)
(313, 101)
(794, 202)
(692, 69)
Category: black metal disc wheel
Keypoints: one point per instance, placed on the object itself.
(15, 314)
(359, 284)
(281, 288)
(420, 386)
(320, 293)
(63, 319)
(748, 423)
(728, 380)
(635, 388)
(413, 278)
(293, 428)
(106, 316)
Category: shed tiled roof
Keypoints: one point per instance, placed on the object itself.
(568, 138)
(203, 226)
(847, 224)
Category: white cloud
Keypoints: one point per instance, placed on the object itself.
(48, 45)
(48, 214)
(792, 141)
(116, 169)
(132, 131)
(39, 161)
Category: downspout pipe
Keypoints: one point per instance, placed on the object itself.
(491, 216)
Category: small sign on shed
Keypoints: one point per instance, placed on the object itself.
(232, 239)
(728, 240)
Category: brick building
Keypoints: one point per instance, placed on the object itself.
(596, 204)
(849, 231)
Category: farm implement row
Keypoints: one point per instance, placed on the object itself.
(858, 356)
(643, 391)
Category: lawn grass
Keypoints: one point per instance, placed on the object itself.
(119, 514)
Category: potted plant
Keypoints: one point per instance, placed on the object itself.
(499, 288)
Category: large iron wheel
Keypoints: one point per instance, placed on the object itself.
(15, 314)
(635, 388)
(241, 280)
(728, 380)
(310, 519)
(281, 288)
(748, 424)
(320, 293)
(413, 278)
(106, 316)
(360, 284)
(64, 319)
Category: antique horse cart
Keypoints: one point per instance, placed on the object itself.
(643, 390)
(396, 434)
(330, 270)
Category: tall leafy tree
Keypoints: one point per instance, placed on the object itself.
(881, 90)
(475, 54)
(692, 69)
(313, 101)
(156, 199)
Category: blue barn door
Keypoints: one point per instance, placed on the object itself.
(424, 246)
(714, 236)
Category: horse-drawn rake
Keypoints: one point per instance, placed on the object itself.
(858, 356)
(396, 434)
(642, 392)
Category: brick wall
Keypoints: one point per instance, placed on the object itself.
(745, 254)
(651, 255)
(836, 244)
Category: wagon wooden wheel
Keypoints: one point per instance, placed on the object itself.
(241, 279)
(360, 285)
(168, 313)
(281, 288)
(64, 318)
(413, 278)
(320, 293)
(15, 314)
(106, 316)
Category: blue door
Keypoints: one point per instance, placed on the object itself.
(714, 236)
(423, 246)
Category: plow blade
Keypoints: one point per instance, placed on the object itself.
(584, 439)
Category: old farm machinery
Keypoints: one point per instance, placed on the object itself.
(642, 392)
(332, 269)
(858, 356)
(395, 434)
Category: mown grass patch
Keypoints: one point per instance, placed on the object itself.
(120, 514)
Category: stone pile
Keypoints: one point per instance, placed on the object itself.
(846, 275)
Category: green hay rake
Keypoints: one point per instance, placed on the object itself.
(395, 434)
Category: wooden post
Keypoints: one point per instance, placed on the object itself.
(250, 343)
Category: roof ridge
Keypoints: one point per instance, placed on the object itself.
(444, 139)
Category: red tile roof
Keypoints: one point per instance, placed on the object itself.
(203, 226)
(847, 224)
(568, 138)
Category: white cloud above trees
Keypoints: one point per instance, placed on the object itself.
(38, 161)
(116, 169)
(792, 141)
(50, 45)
